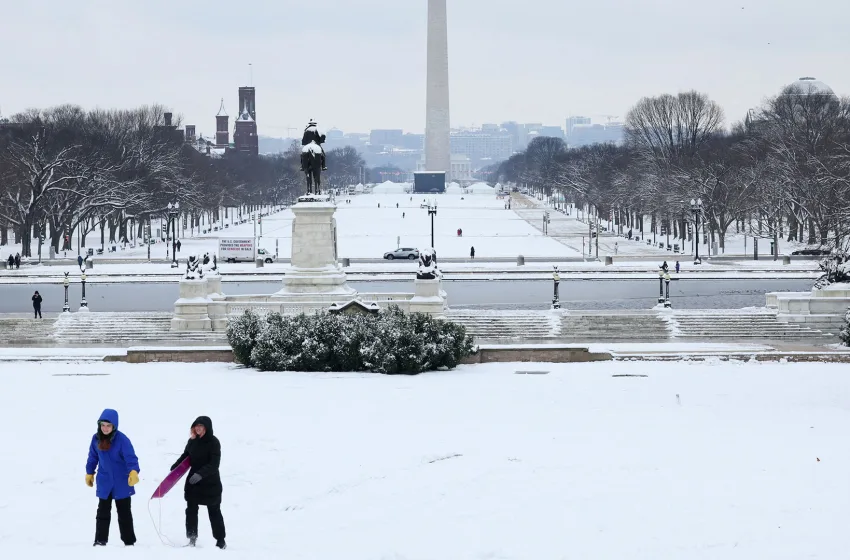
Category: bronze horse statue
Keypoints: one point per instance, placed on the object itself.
(311, 162)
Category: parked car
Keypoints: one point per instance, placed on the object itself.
(403, 253)
(816, 252)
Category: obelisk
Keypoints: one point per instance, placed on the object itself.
(437, 130)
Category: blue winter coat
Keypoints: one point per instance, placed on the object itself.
(113, 466)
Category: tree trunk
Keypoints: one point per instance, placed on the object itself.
(812, 233)
(4, 234)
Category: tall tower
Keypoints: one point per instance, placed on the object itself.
(437, 125)
(222, 127)
(248, 98)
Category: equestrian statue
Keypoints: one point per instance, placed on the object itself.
(313, 157)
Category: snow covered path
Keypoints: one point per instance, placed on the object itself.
(709, 460)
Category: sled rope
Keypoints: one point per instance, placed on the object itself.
(157, 527)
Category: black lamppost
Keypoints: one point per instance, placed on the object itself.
(173, 212)
(661, 286)
(667, 303)
(696, 208)
(84, 306)
(556, 302)
(432, 211)
(66, 308)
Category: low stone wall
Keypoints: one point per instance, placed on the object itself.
(186, 355)
(551, 353)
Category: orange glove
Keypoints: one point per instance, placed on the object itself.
(133, 478)
(89, 480)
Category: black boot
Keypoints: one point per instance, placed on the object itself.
(99, 543)
(192, 541)
(221, 544)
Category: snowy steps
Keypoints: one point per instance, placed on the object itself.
(102, 329)
(646, 326)
(739, 325)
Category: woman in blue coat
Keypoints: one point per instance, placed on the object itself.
(111, 454)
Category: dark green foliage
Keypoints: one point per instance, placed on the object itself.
(390, 342)
(242, 333)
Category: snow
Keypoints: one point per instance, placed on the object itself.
(696, 460)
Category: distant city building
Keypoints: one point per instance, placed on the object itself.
(245, 135)
(248, 99)
(222, 127)
(461, 168)
(588, 134)
(190, 133)
(552, 132)
(478, 144)
(572, 121)
(390, 137)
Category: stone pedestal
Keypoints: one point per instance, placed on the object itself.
(314, 270)
(217, 307)
(191, 311)
(428, 297)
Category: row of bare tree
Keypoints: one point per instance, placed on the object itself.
(65, 168)
(783, 171)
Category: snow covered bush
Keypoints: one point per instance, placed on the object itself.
(836, 269)
(242, 333)
(845, 332)
(389, 342)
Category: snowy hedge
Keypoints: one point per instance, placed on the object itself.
(835, 268)
(388, 342)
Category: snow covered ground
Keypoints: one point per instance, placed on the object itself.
(695, 460)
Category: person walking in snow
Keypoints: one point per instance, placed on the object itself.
(472, 252)
(11, 261)
(112, 456)
(677, 267)
(17, 260)
(203, 485)
(36, 305)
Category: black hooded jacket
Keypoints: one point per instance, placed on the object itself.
(204, 455)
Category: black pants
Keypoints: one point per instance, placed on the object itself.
(37, 311)
(216, 520)
(125, 520)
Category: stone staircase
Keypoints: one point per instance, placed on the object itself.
(736, 325)
(20, 331)
(101, 329)
(591, 326)
(492, 325)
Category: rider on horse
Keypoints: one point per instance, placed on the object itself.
(311, 135)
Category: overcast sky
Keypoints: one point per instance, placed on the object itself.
(360, 64)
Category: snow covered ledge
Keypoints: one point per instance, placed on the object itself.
(822, 309)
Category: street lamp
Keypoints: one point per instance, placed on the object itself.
(173, 212)
(661, 286)
(667, 304)
(432, 211)
(696, 208)
(66, 308)
(84, 306)
(556, 278)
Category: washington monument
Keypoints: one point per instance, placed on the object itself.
(437, 129)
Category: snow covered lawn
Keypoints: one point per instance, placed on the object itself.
(703, 460)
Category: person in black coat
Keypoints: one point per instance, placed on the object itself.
(203, 485)
(36, 305)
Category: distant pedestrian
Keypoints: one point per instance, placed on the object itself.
(36, 305)
(11, 261)
(616, 247)
(665, 267)
(677, 267)
(472, 252)
(379, 205)
(17, 260)
(402, 214)
(396, 204)
(80, 261)
(179, 245)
